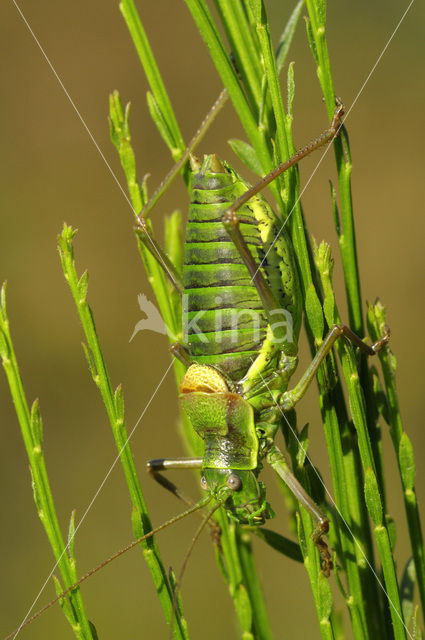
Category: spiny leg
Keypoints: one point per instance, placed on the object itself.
(278, 463)
(326, 137)
(290, 398)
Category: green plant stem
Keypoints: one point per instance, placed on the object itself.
(260, 617)
(256, 97)
(367, 431)
(32, 433)
(225, 68)
(347, 240)
(120, 135)
(403, 449)
(114, 405)
(147, 59)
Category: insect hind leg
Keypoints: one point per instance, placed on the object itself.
(278, 463)
(290, 398)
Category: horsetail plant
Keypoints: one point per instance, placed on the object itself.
(236, 399)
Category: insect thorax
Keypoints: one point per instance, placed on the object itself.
(222, 418)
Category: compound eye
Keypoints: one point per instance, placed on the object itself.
(204, 484)
(234, 482)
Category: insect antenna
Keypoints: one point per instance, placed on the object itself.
(195, 538)
(199, 505)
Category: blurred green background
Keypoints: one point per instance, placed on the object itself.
(51, 173)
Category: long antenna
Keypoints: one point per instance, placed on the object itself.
(199, 505)
(186, 559)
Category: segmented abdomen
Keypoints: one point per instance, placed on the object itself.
(223, 317)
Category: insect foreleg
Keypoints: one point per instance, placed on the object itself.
(278, 463)
(164, 464)
(290, 398)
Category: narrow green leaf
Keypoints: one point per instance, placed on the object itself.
(4, 325)
(93, 631)
(243, 42)
(406, 590)
(160, 122)
(173, 583)
(116, 119)
(290, 88)
(221, 564)
(417, 632)
(3, 299)
(314, 312)
(287, 36)
(303, 442)
(37, 498)
(311, 40)
(90, 361)
(247, 154)
(36, 423)
(71, 535)
(119, 403)
(373, 499)
(243, 607)
(324, 263)
(407, 462)
(381, 399)
(341, 587)
(325, 596)
(83, 284)
(4, 347)
(391, 528)
(64, 602)
(301, 536)
(278, 542)
(335, 211)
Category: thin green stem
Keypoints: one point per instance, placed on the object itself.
(403, 449)
(160, 95)
(32, 433)
(347, 241)
(363, 416)
(114, 405)
(227, 72)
